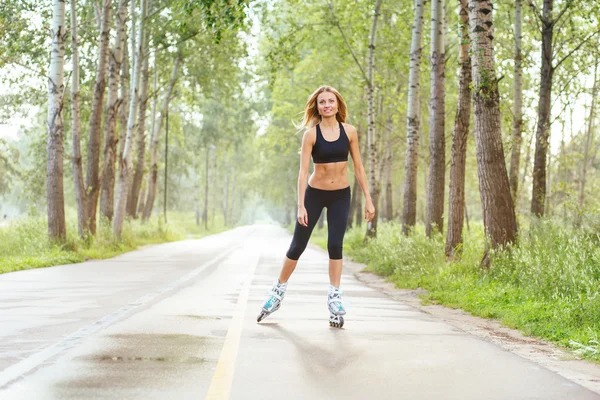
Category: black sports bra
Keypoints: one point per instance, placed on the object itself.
(327, 152)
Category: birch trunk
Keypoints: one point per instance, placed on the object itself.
(437, 142)
(372, 145)
(141, 140)
(80, 195)
(538, 196)
(205, 216)
(93, 158)
(140, 208)
(589, 137)
(411, 164)
(112, 114)
(517, 138)
(389, 205)
(456, 210)
(126, 163)
(124, 107)
(57, 230)
(497, 204)
(155, 139)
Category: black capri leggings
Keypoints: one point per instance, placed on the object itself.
(338, 207)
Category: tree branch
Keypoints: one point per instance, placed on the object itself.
(536, 11)
(562, 12)
(576, 48)
(337, 24)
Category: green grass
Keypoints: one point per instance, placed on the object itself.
(24, 243)
(547, 286)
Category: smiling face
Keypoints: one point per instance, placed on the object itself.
(327, 104)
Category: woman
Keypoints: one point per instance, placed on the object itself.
(328, 139)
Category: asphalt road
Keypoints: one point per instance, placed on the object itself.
(178, 321)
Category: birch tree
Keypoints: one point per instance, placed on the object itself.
(549, 25)
(126, 163)
(154, 145)
(437, 142)
(518, 105)
(93, 158)
(371, 143)
(133, 197)
(589, 137)
(497, 204)
(413, 121)
(112, 113)
(54, 167)
(456, 210)
(80, 195)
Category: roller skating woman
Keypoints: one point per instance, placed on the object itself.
(329, 140)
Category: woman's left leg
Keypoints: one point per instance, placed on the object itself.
(337, 220)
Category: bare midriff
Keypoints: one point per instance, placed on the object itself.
(330, 176)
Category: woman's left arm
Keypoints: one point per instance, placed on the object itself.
(359, 170)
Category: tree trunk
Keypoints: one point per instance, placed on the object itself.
(133, 198)
(93, 158)
(413, 121)
(389, 204)
(155, 139)
(437, 142)
(456, 210)
(589, 137)
(140, 208)
(518, 107)
(205, 216)
(80, 195)
(57, 230)
(126, 163)
(226, 191)
(372, 145)
(497, 204)
(124, 107)
(538, 196)
(112, 113)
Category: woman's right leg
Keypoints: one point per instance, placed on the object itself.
(314, 206)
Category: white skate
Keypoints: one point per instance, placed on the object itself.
(336, 307)
(274, 300)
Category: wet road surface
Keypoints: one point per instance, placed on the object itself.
(178, 321)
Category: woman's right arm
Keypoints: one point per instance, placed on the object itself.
(308, 140)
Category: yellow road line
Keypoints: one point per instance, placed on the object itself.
(220, 386)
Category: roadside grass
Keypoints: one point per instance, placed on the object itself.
(547, 286)
(24, 242)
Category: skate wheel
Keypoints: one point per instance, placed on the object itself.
(261, 316)
(337, 324)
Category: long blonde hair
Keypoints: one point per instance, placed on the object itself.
(311, 110)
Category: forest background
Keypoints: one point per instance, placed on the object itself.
(125, 123)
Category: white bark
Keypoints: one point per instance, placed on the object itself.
(126, 163)
(93, 161)
(54, 165)
(413, 121)
(518, 106)
(437, 158)
(112, 113)
(80, 194)
(155, 138)
(371, 142)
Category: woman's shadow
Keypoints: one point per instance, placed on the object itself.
(322, 361)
